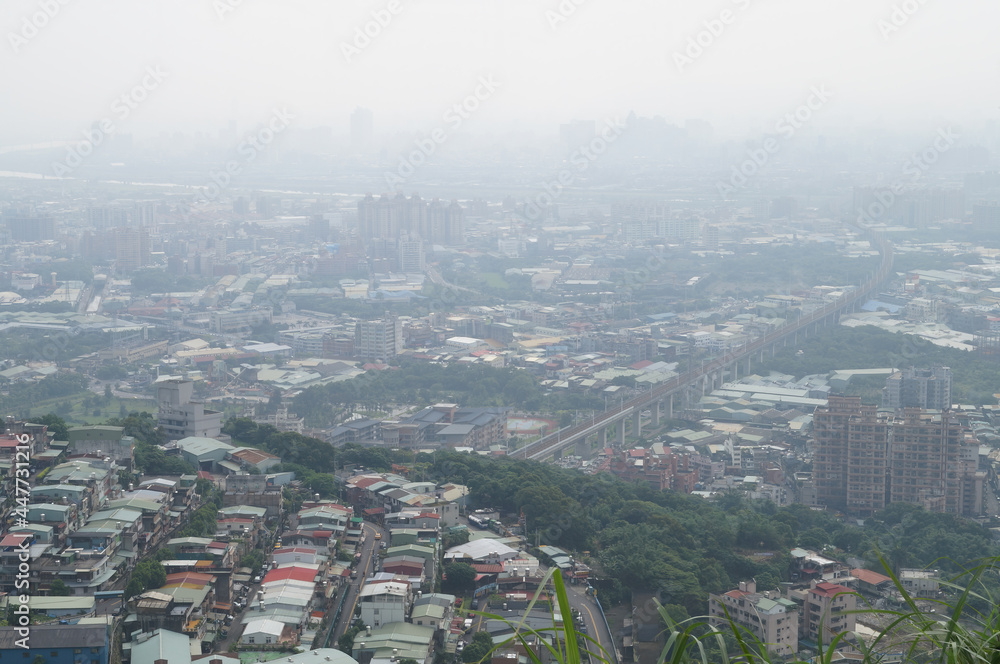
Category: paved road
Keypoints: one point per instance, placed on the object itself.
(596, 629)
(365, 567)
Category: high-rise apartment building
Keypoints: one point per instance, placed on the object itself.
(867, 461)
(30, 228)
(389, 217)
(918, 388)
(864, 460)
(934, 464)
(411, 254)
(378, 339)
(830, 429)
(131, 248)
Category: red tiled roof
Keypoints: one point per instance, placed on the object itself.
(13, 540)
(428, 515)
(830, 589)
(195, 578)
(642, 364)
(253, 456)
(293, 573)
(487, 569)
(366, 482)
(868, 576)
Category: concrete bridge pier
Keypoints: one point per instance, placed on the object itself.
(602, 437)
(621, 433)
(654, 410)
(636, 423)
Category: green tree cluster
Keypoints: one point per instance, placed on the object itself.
(415, 382)
(682, 547)
(459, 579)
(149, 458)
(147, 575)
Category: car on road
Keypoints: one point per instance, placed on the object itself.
(378, 536)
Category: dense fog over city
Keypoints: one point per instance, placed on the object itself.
(376, 331)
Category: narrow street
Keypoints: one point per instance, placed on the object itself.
(365, 568)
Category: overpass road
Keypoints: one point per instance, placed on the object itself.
(709, 375)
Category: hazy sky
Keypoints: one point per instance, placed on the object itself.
(603, 59)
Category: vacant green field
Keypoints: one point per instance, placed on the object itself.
(77, 414)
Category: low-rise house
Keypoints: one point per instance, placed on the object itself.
(103, 441)
(386, 602)
(398, 640)
(248, 458)
(96, 474)
(773, 620)
(920, 582)
(58, 643)
(872, 583)
(264, 631)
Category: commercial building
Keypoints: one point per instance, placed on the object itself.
(180, 416)
(231, 321)
(378, 339)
